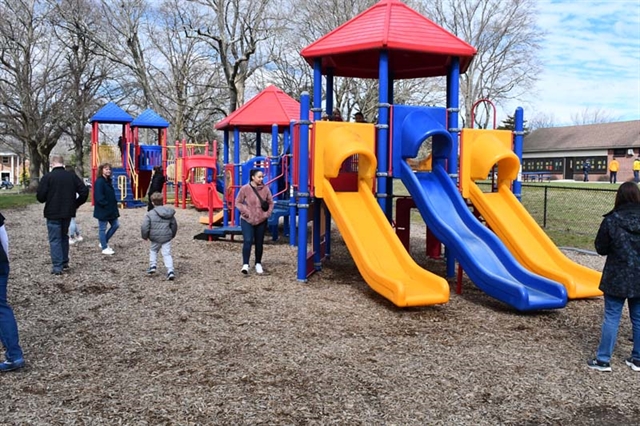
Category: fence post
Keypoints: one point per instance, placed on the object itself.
(544, 214)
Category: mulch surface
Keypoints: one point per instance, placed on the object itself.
(106, 344)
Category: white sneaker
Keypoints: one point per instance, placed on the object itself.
(72, 241)
(245, 269)
(259, 268)
(79, 238)
(108, 251)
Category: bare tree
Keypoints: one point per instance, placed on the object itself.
(87, 73)
(505, 35)
(543, 120)
(593, 116)
(235, 31)
(192, 87)
(32, 105)
(351, 95)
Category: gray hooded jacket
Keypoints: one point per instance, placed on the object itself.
(159, 225)
(619, 239)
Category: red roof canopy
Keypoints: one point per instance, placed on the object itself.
(271, 106)
(417, 46)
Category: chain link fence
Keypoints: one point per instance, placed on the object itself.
(570, 216)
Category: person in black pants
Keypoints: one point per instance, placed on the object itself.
(255, 204)
(157, 184)
(62, 192)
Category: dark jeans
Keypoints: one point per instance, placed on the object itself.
(8, 326)
(614, 177)
(105, 235)
(636, 176)
(58, 230)
(252, 234)
(586, 177)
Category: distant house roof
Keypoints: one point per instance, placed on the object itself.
(271, 106)
(623, 134)
(150, 119)
(111, 113)
(417, 46)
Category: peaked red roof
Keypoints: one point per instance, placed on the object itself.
(271, 106)
(417, 46)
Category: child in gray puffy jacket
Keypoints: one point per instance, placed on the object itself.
(160, 227)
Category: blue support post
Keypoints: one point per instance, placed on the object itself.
(273, 165)
(518, 142)
(453, 107)
(292, 195)
(258, 143)
(329, 92)
(225, 161)
(236, 170)
(383, 136)
(317, 107)
(317, 89)
(303, 192)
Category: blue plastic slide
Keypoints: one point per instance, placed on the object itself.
(482, 255)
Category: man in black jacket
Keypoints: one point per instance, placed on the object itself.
(62, 192)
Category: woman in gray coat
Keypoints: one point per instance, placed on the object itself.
(619, 239)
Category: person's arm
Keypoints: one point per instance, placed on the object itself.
(98, 193)
(4, 240)
(242, 195)
(603, 238)
(270, 201)
(43, 189)
(145, 228)
(82, 191)
(173, 225)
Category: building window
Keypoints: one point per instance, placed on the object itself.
(598, 164)
(549, 165)
(622, 152)
(6, 160)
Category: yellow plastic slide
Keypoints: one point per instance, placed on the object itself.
(508, 218)
(380, 256)
(376, 249)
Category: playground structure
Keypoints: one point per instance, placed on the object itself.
(319, 171)
(191, 169)
(352, 166)
(269, 112)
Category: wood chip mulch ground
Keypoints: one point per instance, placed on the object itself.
(105, 344)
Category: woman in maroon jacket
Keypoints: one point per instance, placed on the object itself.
(255, 204)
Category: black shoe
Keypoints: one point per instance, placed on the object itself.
(56, 272)
(65, 266)
(171, 276)
(151, 270)
(633, 364)
(599, 365)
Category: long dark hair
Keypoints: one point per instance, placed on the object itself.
(628, 193)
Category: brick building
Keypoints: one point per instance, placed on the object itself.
(561, 151)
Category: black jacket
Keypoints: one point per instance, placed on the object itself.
(105, 204)
(619, 239)
(58, 189)
(157, 183)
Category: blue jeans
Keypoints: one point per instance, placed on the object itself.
(74, 229)
(105, 235)
(636, 176)
(8, 326)
(58, 230)
(612, 313)
(252, 234)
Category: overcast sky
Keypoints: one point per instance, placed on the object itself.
(591, 59)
